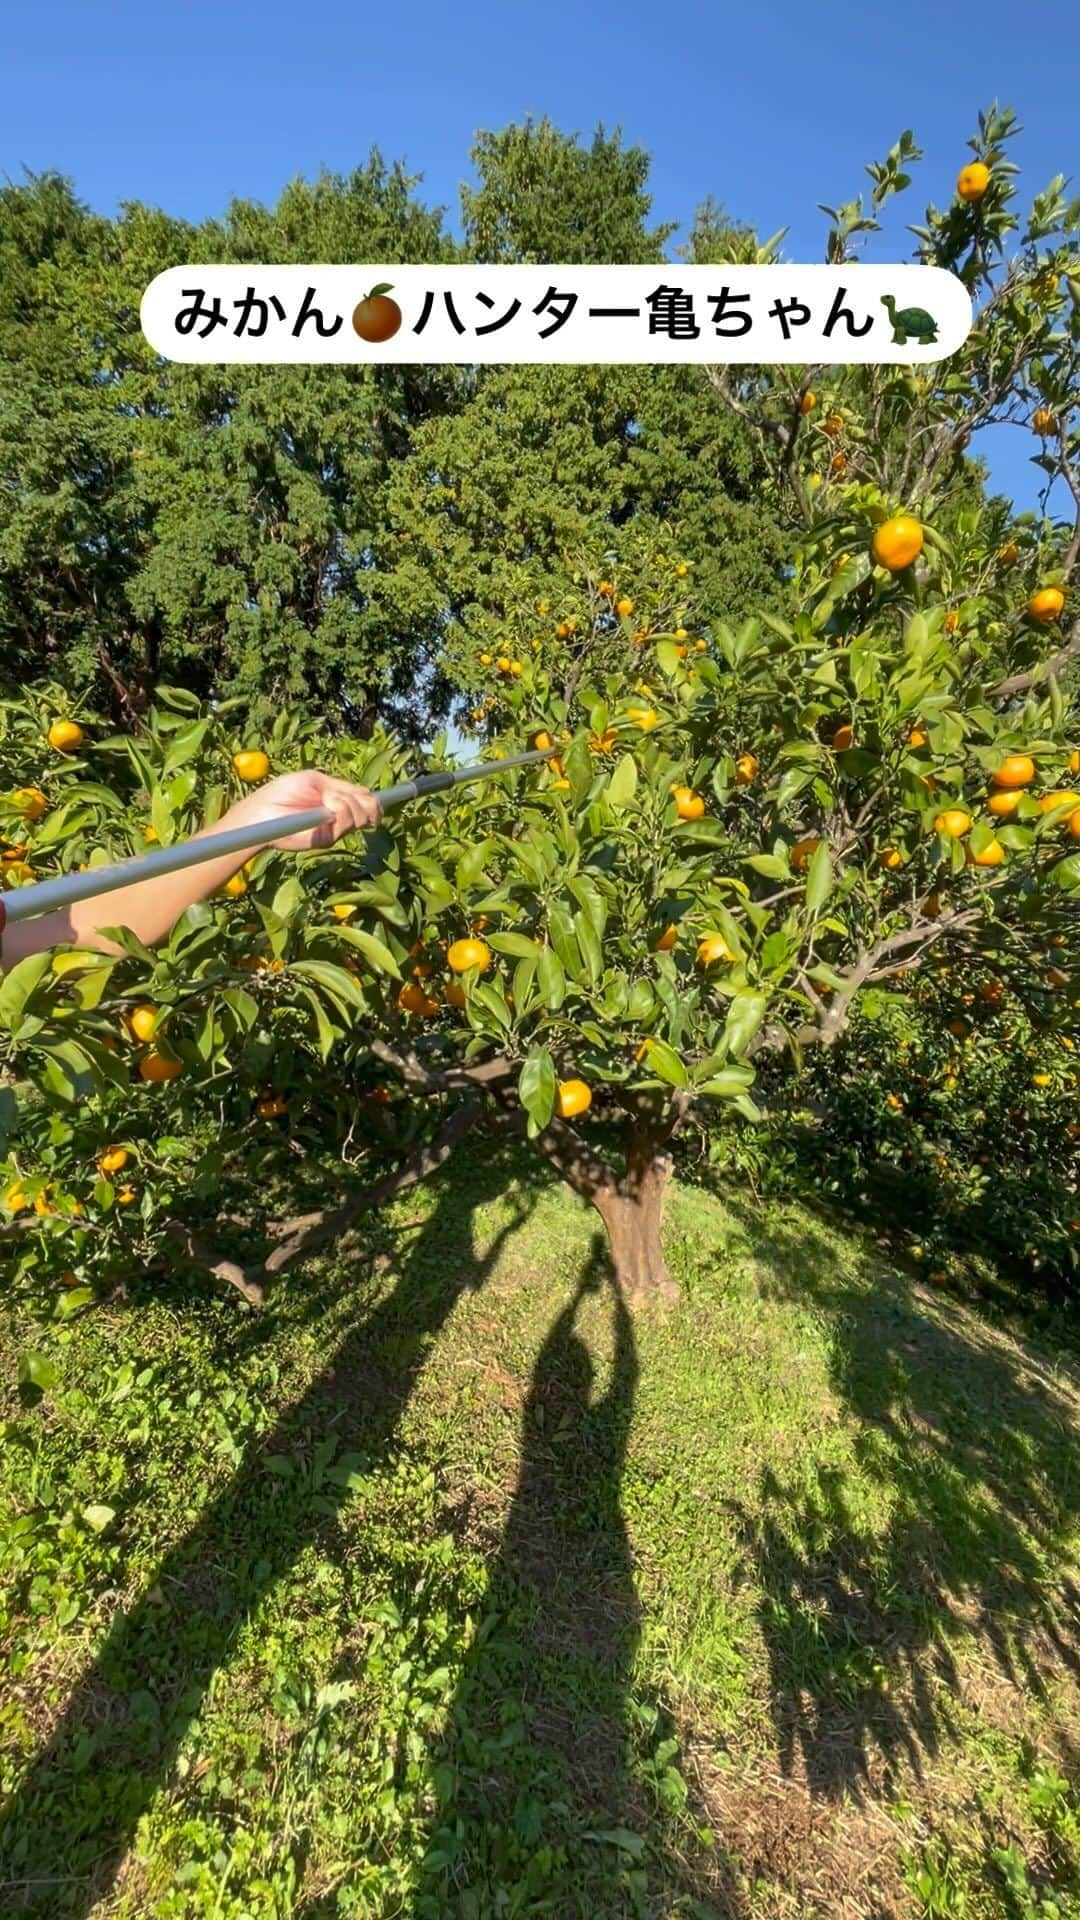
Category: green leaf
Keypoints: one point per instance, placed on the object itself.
(18, 985)
(745, 1015)
(819, 879)
(334, 980)
(36, 1371)
(537, 1086)
(768, 865)
(518, 945)
(288, 899)
(623, 783)
(70, 1301)
(666, 1064)
(552, 979)
(590, 947)
(327, 1035)
(375, 952)
(727, 1084)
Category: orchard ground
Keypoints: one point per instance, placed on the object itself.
(443, 1585)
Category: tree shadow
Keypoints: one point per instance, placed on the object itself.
(969, 1438)
(69, 1823)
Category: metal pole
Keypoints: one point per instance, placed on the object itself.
(46, 896)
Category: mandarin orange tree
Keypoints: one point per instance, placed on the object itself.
(747, 823)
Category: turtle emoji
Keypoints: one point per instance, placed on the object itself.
(912, 323)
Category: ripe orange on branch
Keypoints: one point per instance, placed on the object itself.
(688, 804)
(713, 948)
(574, 1096)
(954, 822)
(251, 765)
(1046, 604)
(66, 736)
(746, 768)
(897, 542)
(1016, 770)
(972, 181)
(159, 1066)
(1001, 805)
(803, 851)
(468, 953)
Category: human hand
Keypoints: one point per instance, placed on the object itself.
(355, 809)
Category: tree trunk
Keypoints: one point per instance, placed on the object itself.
(631, 1204)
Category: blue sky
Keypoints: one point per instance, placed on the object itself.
(769, 110)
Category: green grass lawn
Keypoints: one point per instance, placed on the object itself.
(444, 1587)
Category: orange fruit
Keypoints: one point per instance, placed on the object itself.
(112, 1160)
(606, 589)
(560, 786)
(972, 181)
(603, 742)
(992, 855)
(667, 940)
(897, 542)
(951, 620)
(890, 859)
(1044, 422)
(954, 821)
(251, 765)
(688, 804)
(159, 1066)
(30, 801)
(342, 910)
(413, 999)
(843, 738)
(236, 886)
(713, 948)
(746, 768)
(808, 402)
(66, 736)
(455, 994)
(1042, 1079)
(802, 852)
(125, 1196)
(1016, 770)
(1046, 604)
(1001, 805)
(1074, 824)
(142, 1020)
(1060, 798)
(624, 607)
(917, 737)
(542, 742)
(644, 718)
(1074, 761)
(485, 659)
(574, 1096)
(15, 1199)
(1009, 554)
(468, 953)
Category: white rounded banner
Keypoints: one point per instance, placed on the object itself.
(574, 315)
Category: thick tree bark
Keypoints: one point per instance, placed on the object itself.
(631, 1205)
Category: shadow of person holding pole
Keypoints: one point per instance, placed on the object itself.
(543, 1775)
(69, 1822)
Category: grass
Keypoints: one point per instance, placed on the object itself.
(443, 1588)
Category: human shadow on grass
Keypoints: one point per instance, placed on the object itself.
(555, 1780)
(971, 1440)
(68, 1824)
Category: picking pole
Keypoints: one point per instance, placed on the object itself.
(47, 896)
